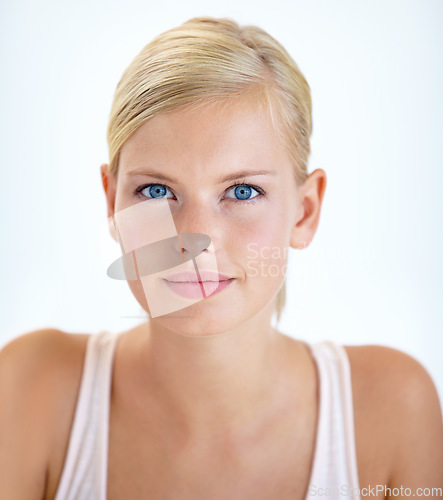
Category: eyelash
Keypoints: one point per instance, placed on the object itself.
(261, 192)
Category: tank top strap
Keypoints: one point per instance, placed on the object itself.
(334, 469)
(85, 469)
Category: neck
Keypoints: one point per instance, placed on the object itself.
(215, 384)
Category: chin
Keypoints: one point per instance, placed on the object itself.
(195, 321)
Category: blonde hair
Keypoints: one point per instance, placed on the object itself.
(207, 59)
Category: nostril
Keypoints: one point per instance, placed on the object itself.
(194, 243)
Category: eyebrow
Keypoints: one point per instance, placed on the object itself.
(227, 178)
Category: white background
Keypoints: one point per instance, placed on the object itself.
(373, 274)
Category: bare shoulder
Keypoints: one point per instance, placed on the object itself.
(40, 374)
(41, 345)
(383, 372)
(398, 419)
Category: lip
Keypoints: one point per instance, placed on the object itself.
(192, 277)
(186, 285)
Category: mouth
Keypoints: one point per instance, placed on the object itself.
(187, 284)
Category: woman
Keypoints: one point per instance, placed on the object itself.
(207, 187)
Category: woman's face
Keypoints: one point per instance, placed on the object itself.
(203, 153)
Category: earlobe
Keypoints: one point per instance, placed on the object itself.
(310, 200)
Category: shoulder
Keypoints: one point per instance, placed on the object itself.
(39, 346)
(397, 414)
(41, 358)
(40, 375)
(392, 377)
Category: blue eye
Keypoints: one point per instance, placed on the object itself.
(243, 192)
(154, 191)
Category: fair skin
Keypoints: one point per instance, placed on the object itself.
(215, 403)
(188, 145)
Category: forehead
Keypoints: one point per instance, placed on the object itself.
(207, 138)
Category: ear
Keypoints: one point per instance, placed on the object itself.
(310, 199)
(109, 185)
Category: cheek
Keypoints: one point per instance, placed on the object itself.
(264, 245)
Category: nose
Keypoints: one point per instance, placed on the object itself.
(196, 228)
(192, 243)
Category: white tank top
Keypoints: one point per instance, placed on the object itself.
(334, 468)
